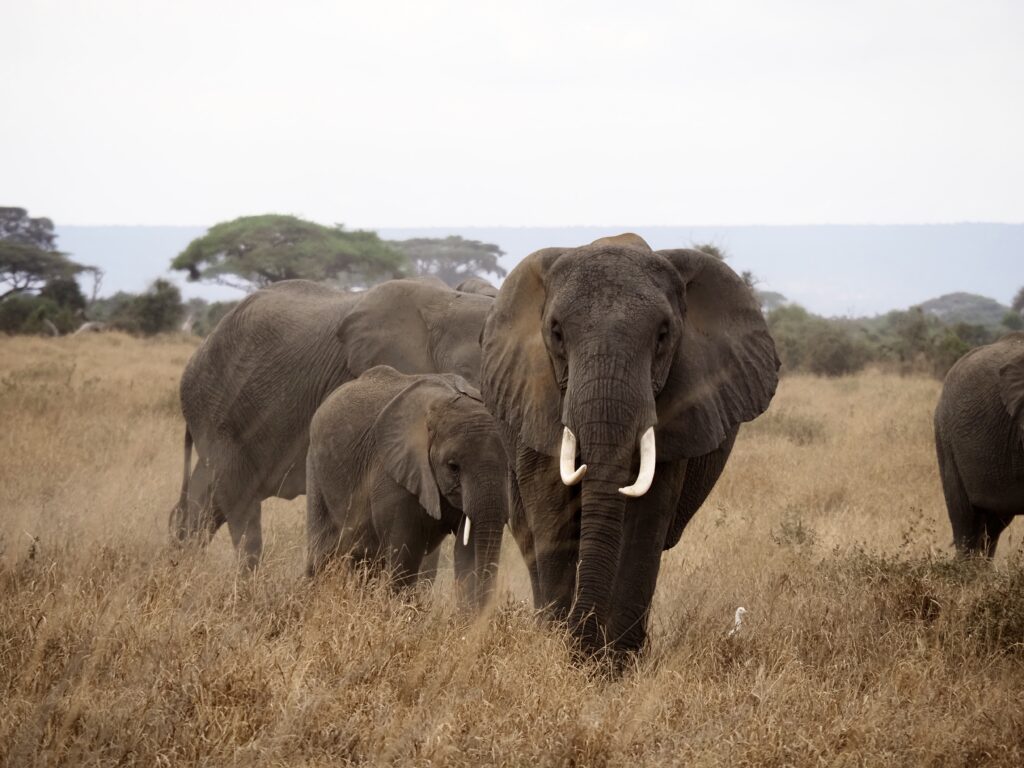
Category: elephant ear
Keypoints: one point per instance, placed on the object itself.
(403, 441)
(516, 377)
(1011, 388)
(725, 370)
(386, 327)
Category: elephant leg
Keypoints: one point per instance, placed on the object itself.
(246, 528)
(322, 535)
(235, 494)
(994, 524)
(975, 530)
(404, 555)
(197, 518)
(646, 523)
(524, 538)
(399, 522)
(553, 515)
(702, 473)
(210, 517)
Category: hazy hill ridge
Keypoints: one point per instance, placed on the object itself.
(963, 307)
(830, 269)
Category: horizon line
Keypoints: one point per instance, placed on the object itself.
(621, 227)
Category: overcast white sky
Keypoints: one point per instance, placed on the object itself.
(519, 113)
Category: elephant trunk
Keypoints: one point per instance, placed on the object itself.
(487, 506)
(610, 408)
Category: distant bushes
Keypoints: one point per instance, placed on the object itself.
(157, 310)
(833, 351)
(908, 341)
(60, 308)
(204, 316)
(28, 314)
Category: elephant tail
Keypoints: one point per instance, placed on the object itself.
(183, 499)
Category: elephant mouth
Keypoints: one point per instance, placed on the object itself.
(573, 475)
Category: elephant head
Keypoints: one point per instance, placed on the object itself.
(611, 350)
(437, 440)
(416, 326)
(478, 285)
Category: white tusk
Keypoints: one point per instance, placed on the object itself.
(570, 475)
(465, 534)
(648, 456)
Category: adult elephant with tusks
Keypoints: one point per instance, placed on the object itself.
(620, 376)
(249, 392)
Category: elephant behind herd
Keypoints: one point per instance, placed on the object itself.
(617, 378)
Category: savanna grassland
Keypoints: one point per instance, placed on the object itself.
(865, 643)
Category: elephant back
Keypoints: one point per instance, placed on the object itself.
(416, 326)
(278, 339)
(982, 400)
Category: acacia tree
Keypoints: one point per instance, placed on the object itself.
(29, 258)
(254, 251)
(452, 258)
(1018, 302)
(16, 226)
(27, 268)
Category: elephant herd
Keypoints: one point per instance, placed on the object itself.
(590, 404)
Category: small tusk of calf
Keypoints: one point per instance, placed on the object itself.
(465, 533)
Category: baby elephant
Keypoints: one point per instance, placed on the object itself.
(979, 434)
(398, 462)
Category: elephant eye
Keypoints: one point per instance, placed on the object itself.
(662, 336)
(454, 467)
(556, 333)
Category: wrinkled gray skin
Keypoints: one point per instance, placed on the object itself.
(979, 437)
(477, 285)
(250, 390)
(398, 462)
(610, 339)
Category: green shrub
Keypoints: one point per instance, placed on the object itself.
(158, 310)
(27, 314)
(791, 326)
(947, 349)
(207, 320)
(65, 292)
(832, 351)
(1013, 321)
(912, 340)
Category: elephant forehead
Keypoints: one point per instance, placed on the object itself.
(607, 270)
(462, 412)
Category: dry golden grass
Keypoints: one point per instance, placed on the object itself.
(865, 643)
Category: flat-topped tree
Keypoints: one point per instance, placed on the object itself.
(453, 258)
(254, 251)
(16, 226)
(29, 258)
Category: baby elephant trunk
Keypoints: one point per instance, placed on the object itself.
(478, 544)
